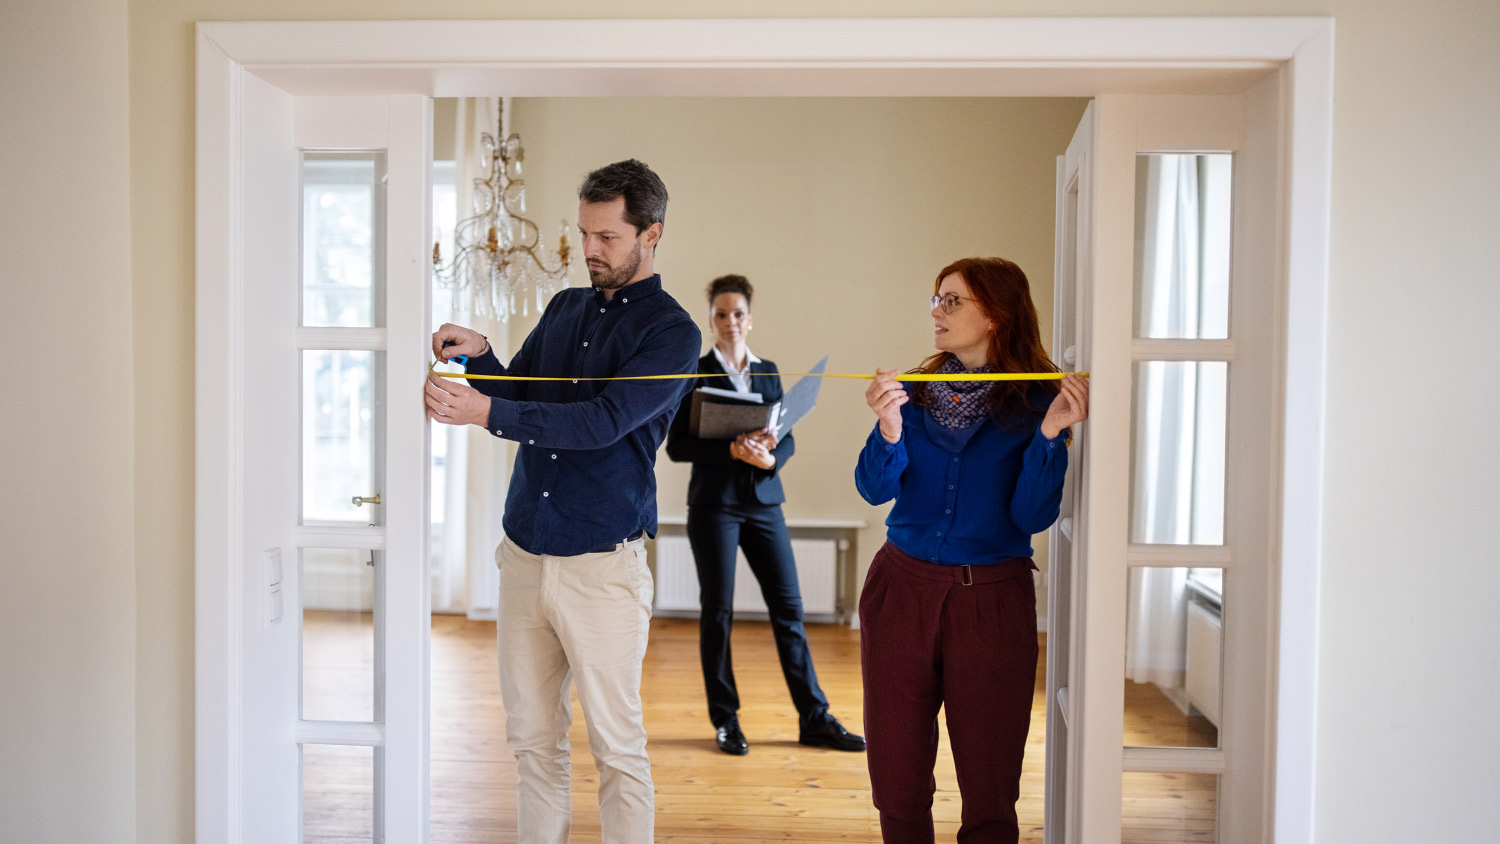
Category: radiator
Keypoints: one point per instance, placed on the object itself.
(817, 573)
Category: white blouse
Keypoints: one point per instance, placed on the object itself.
(739, 378)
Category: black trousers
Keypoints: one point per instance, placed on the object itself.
(714, 534)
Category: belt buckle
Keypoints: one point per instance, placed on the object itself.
(968, 575)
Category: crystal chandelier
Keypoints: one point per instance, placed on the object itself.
(498, 252)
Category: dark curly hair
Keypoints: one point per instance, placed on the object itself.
(730, 284)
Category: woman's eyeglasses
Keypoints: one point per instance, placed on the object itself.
(949, 303)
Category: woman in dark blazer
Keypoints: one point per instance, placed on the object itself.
(734, 501)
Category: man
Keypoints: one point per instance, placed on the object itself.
(575, 593)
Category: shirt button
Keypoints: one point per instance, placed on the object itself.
(950, 486)
(531, 442)
(585, 342)
(624, 300)
(948, 512)
(554, 457)
(546, 494)
(497, 433)
(601, 310)
(955, 460)
(940, 533)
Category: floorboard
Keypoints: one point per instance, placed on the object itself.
(780, 792)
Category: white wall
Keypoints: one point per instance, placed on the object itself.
(67, 418)
(1406, 748)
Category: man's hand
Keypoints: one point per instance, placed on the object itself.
(465, 341)
(452, 402)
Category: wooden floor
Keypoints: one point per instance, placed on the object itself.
(781, 791)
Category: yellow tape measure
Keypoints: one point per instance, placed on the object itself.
(908, 376)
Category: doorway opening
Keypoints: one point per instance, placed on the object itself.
(295, 61)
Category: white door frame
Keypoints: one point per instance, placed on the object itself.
(1081, 57)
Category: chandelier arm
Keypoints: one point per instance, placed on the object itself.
(531, 232)
(541, 264)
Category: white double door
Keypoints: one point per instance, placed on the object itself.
(333, 464)
(369, 359)
(1125, 575)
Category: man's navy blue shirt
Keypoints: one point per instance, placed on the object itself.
(585, 470)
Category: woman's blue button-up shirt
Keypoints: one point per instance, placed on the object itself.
(970, 496)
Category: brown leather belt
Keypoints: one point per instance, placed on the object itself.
(965, 575)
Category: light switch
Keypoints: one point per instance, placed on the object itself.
(273, 567)
(271, 572)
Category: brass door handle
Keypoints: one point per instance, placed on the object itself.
(360, 499)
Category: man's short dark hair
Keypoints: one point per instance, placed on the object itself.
(645, 195)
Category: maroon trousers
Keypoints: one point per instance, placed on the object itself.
(960, 637)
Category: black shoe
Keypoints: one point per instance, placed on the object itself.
(732, 741)
(830, 733)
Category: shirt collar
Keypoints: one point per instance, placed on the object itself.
(635, 290)
(749, 359)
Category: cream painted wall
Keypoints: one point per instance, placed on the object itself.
(1410, 651)
(840, 212)
(1406, 750)
(67, 473)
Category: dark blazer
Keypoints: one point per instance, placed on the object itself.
(719, 479)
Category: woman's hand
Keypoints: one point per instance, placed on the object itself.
(885, 396)
(1069, 408)
(464, 341)
(765, 436)
(751, 449)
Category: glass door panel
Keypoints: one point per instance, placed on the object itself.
(1173, 653)
(1182, 246)
(339, 626)
(342, 405)
(342, 232)
(1178, 453)
(1169, 809)
(338, 794)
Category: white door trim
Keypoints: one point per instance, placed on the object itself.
(974, 56)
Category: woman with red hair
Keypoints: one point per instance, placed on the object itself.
(948, 610)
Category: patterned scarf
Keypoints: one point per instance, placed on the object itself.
(958, 404)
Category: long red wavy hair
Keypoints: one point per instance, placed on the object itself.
(1003, 294)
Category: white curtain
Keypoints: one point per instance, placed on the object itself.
(1178, 497)
(476, 466)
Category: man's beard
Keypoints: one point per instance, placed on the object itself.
(616, 277)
